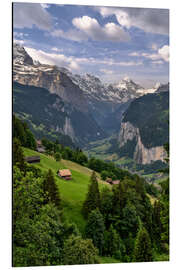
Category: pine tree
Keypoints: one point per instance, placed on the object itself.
(142, 250)
(93, 197)
(18, 156)
(157, 226)
(118, 199)
(112, 241)
(95, 229)
(18, 130)
(51, 190)
(30, 140)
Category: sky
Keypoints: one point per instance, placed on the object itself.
(108, 42)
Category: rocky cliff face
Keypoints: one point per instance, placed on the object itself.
(142, 154)
(51, 78)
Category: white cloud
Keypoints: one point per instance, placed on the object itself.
(150, 20)
(21, 42)
(160, 54)
(72, 34)
(45, 6)
(121, 16)
(53, 59)
(152, 56)
(109, 32)
(164, 53)
(30, 14)
(77, 63)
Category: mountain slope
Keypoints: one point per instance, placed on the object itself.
(85, 109)
(85, 93)
(48, 114)
(144, 128)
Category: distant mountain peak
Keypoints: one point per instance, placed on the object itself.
(20, 56)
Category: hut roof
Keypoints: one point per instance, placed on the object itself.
(32, 158)
(65, 172)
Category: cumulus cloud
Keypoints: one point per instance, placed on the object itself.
(150, 20)
(30, 14)
(92, 29)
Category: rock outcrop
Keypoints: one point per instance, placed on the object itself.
(142, 154)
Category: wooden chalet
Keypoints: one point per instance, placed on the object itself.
(32, 159)
(65, 174)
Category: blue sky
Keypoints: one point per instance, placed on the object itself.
(110, 42)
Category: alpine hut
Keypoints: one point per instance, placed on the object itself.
(65, 174)
(32, 159)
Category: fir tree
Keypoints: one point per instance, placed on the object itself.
(93, 197)
(18, 156)
(112, 241)
(30, 140)
(157, 226)
(51, 190)
(118, 199)
(142, 250)
(95, 229)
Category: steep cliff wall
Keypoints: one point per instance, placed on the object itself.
(141, 154)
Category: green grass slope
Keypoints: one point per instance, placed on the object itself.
(72, 192)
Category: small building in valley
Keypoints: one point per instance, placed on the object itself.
(32, 159)
(65, 174)
(112, 182)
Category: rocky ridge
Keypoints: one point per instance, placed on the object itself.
(142, 154)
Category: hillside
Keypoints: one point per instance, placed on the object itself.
(48, 115)
(72, 192)
(150, 113)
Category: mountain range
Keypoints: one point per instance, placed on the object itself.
(59, 103)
